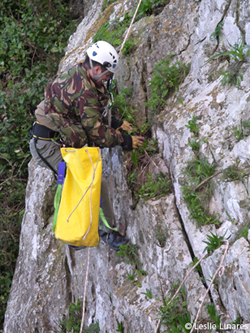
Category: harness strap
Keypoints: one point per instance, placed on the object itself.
(43, 133)
(43, 159)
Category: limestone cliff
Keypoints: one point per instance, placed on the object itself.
(49, 276)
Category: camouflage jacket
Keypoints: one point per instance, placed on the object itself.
(75, 104)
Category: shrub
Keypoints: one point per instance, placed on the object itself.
(33, 35)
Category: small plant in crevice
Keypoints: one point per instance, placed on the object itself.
(214, 316)
(198, 267)
(175, 315)
(107, 3)
(72, 321)
(148, 294)
(140, 180)
(161, 234)
(233, 173)
(217, 32)
(129, 252)
(193, 126)
(236, 52)
(236, 55)
(195, 145)
(120, 327)
(150, 7)
(166, 79)
(154, 187)
(232, 76)
(214, 242)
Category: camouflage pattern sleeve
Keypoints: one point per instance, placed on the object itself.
(75, 104)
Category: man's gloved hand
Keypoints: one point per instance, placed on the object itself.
(126, 126)
(137, 141)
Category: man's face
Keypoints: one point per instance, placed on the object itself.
(105, 77)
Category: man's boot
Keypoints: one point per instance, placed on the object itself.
(114, 239)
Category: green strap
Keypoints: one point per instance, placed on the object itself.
(57, 200)
(104, 220)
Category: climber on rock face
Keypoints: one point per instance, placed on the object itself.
(74, 111)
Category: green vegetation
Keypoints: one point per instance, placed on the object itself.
(148, 294)
(197, 190)
(72, 322)
(232, 76)
(154, 187)
(213, 242)
(236, 52)
(193, 126)
(121, 106)
(149, 7)
(175, 315)
(214, 315)
(218, 31)
(236, 55)
(33, 35)
(112, 32)
(130, 254)
(198, 267)
(161, 234)
(107, 3)
(120, 327)
(166, 79)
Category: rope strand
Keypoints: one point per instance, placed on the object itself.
(85, 291)
(130, 27)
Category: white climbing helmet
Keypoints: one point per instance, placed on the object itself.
(105, 54)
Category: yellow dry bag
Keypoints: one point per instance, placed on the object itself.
(78, 215)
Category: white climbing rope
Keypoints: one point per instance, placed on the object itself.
(130, 27)
(85, 290)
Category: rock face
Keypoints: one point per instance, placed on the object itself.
(49, 276)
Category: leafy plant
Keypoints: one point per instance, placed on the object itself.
(198, 267)
(129, 253)
(149, 7)
(166, 79)
(232, 77)
(214, 242)
(72, 322)
(121, 106)
(213, 315)
(193, 126)
(161, 234)
(236, 52)
(175, 314)
(154, 187)
(107, 3)
(238, 133)
(131, 277)
(195, 145)
(197, 171)
(148, 294)
(233, 173)
(218, 31)
(120, 327)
